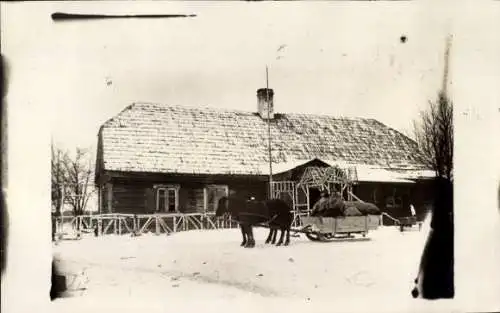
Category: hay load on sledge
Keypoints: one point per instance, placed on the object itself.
(332, 217)
(335, 206)
(327, 217)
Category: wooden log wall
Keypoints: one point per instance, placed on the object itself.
(133, 197)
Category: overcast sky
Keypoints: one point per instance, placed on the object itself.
(341, 58)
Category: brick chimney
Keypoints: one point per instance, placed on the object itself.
(265, 102)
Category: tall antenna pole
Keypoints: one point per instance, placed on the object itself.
(444, 87)
(269, 134)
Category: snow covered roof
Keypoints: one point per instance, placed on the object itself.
(281, 167)
(156, 138)
(374, 174)
(393, 173)
(365, 173)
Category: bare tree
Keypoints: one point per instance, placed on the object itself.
(79, 171)
(434, 136)
(434, 131)
(71, 179)
(59, 177)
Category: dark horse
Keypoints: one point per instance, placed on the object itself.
(248, 213)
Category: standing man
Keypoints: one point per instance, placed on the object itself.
(412, 209)
(414, 215)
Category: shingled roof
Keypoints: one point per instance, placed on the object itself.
(156, 138)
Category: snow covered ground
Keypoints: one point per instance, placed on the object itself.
(208, 270)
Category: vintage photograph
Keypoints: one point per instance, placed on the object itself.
(280, 134)
(269, 156)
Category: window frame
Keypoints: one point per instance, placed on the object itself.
(397, 199)
(205, 195)
(166, 189)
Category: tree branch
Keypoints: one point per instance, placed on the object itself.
(434, 135)
(72, 174)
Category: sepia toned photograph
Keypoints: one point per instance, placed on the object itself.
(249, 156)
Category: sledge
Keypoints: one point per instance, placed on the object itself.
(409, 222)
(318, 228)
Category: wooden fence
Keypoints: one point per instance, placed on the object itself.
(137, 224)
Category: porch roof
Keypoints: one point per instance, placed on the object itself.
(365, 173)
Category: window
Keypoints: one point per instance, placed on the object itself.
(389, 202)
(167, 199)
(213, 193)
(394, 201)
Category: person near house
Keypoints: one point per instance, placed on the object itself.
(412, 210)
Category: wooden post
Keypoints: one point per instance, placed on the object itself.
(205, 200)
(307, 199)
(80, 224)
(134, 225)
(110, 197)
(99, 226)
(269, 135)
(99, 199)
(157, 226)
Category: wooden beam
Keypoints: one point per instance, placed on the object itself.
(99, 199)
(205, 200)
(176, 177)
(110, 197)
(354, 196)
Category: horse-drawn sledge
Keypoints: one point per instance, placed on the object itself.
(329, 228)
(331, 217)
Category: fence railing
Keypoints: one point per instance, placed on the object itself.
(166, 223)
(394, 220)
(137, 224)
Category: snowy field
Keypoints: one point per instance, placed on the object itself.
(208, 270)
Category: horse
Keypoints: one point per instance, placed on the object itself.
(281, 220)
(248, 213)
